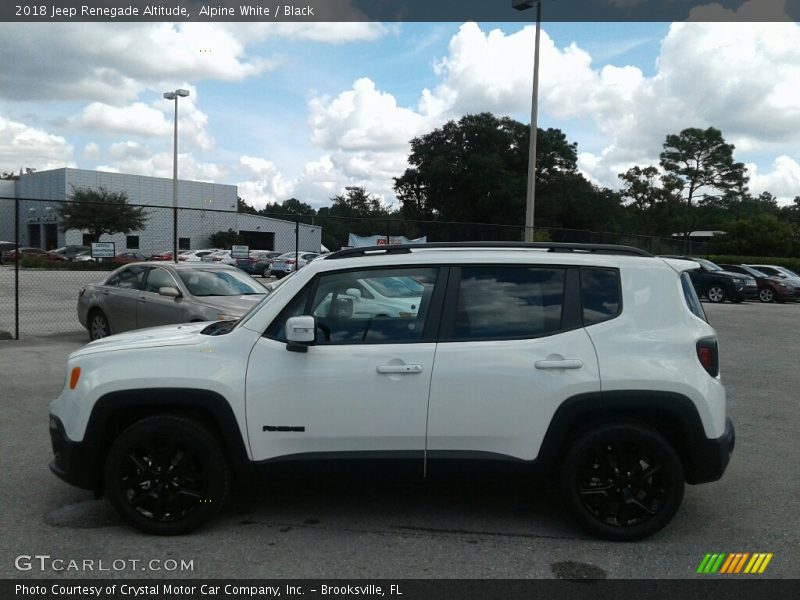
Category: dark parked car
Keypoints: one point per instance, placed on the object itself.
(713, 282)
(770, 289)
(145, 295)
(258, 263)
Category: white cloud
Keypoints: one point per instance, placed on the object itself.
(24, 146)
(138, 159)
(264, 183)
(91, 151)
(782, 181)
(137, 119)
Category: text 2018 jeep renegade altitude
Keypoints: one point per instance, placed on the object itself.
(595, 363)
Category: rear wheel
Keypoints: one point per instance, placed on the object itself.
(716, 294)
(98, 325)
(622, 481)
(167, 475)
(265, 273)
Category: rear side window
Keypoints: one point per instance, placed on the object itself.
(501, 302)
(690, 295)
(600, 295)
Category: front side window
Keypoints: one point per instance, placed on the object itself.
(158, 278)
(129, 278)
(499, 302)
(355, 307)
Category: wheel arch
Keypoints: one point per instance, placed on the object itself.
(116, 411)
(672, 415)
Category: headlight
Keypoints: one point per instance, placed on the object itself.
(782, 285)
(738, 281)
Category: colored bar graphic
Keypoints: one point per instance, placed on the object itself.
(733, 563)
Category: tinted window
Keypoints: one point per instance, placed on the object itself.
(690, 295)
(504, 302)
(600, 294)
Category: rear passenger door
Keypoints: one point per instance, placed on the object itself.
(512, 348)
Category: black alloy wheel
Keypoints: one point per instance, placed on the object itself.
(622, 481)
(167, 475)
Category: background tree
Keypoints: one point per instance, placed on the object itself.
(357, 212)
(225, 239)
(287, 208)
(699, 163)
(99, 212)
(761, 235)
(243, 207)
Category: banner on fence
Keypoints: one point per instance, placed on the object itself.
(360, 241)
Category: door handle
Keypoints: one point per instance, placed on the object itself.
(399, 369)
(559, 363)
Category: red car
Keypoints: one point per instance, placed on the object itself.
(166, 256)
(33, 252)
(123, 258)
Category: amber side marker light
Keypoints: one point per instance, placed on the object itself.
(74, 375)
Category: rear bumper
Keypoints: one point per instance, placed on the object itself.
(710, 457)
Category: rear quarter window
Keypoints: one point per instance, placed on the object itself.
(600, 294)
(690, 296)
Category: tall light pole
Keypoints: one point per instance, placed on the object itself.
(530, 195)
(174, 96)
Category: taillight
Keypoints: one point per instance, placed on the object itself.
(290, 261)
(708, 355)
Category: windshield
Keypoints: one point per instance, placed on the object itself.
(708, 264)
(207, 282)
(788, 272)
(270, 289)
(755, 272)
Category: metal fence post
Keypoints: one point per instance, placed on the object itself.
(16, 268)
(388, 228)
(297, 241)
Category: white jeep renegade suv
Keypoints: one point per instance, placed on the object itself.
(594, 363)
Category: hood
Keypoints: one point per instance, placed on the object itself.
(233, 305)
(732, 274)
(185, 334)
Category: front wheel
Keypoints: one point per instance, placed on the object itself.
(716, 294)
(766, 295)
(622, 481)
(98, 325)
(167, 475)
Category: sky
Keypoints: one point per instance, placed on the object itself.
(306, 109)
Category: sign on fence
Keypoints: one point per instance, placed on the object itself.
(240, 251)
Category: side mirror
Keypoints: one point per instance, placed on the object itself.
(354, 292)
(300, 332)
(170, 292)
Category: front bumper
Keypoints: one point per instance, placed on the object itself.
(745, 292)
(710, 457)
(73, 462)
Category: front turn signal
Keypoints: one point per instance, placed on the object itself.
(74, 375)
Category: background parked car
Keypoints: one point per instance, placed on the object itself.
(779, 272)
(770, 289)
(145, 295)
(285, 263)
(196, 255)
(161, 256)
(221, 257)
(259, 262)
(716, 284)
(70, 252)
(13, 255)
(124, 258)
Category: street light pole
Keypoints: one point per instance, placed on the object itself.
(179, 93)
(530, 195)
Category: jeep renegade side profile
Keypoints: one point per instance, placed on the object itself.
(595, 363)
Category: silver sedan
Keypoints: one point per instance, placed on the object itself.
(150, 294)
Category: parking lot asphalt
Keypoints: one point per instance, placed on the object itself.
(384, 529)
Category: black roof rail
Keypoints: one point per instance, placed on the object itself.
(549, 246)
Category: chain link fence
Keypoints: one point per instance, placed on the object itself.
(38, 293)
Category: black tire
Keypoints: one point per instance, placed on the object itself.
(136, 468)
(716, 294)
(98, 325)
(265, 272)
(622, 481)
(766, 295)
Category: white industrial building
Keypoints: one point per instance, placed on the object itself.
(204, 209)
